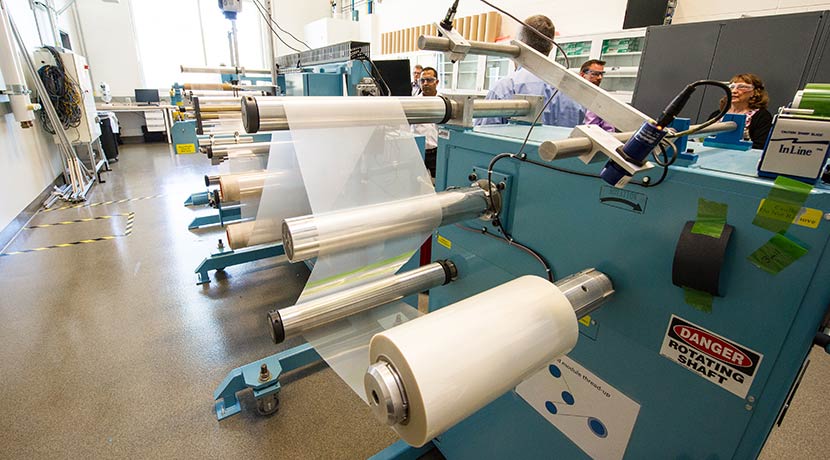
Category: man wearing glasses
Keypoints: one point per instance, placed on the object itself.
(416, 77)
(562, 110)
(429, 87)
(593, 70)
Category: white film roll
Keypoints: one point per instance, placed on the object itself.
(456, 360)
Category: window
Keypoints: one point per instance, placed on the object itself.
(199, 39)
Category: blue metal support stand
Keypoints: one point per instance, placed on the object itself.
(732, 140)
(222, 259)
(263, 377)
(403, 451)
(198, 199)
(222, 217)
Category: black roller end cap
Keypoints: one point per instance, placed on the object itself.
(250, 114)
(277, 331)
(450, 270)
(207, 181)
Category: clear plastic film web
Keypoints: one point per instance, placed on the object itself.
(356, 164)
(283, 191)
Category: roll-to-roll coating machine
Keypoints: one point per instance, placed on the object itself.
(699, 252)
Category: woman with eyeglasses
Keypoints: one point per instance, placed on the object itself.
(750, 98)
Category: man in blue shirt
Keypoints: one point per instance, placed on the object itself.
(562, 110)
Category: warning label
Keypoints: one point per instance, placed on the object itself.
(715, 358)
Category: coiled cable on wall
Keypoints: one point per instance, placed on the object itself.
(64, 93)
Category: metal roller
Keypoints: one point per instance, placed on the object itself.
(305, 316)
(364, 226)
(245, 186)
(585, 291)
(430, 43)
(576, 146)
(268, 113)
(224, 70)
(245, 234)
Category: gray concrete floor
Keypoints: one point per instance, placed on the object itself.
(110, 350)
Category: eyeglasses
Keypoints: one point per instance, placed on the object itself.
(741, 87)
(596, 73)
(428, 80)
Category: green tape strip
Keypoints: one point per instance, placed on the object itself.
(711, 217)
(782, 204)
(777, 254)
(698, 300)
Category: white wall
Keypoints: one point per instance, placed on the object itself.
(109, 40)
(571, 17)
(29, 160)
(711, 10)
(293, 16)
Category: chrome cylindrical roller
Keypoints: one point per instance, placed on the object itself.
(223, 70)
(586, 290)
(222, 149)
(432, 43)
(315, 313)
(303, 238)
(576, 146)
(268, 113)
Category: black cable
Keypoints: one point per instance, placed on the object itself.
(268, 22)
(64, 93)
(540, 34)
(680, 100)
(534, 254)
(359, 55)
(271, 19)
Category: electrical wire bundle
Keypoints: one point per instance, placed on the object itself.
(64, 93)
(266, 15)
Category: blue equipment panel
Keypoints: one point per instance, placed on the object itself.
(563, 217)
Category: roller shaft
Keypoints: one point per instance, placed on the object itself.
(269, 114)
(315, 313)
(223, 70)
(576, 146)
(360, 227)
(430, 43)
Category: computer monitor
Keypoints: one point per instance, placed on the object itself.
(396, 74)
(147, 96)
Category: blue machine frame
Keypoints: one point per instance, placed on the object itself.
(561, 216)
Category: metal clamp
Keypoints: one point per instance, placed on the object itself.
(459, 46)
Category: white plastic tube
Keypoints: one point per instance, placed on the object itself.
(13, 73)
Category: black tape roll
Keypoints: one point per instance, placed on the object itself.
(698, 259)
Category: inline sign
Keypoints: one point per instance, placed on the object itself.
(715, 358)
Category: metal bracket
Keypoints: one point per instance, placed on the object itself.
(222, 259)
(605, 142)
(462, 114)
(459, 46)
(264, 384)
(536, 105)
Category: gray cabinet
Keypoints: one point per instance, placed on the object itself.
(784, 50)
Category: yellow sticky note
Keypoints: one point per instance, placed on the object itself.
(185, 148)
(585, 320)
(444, 242)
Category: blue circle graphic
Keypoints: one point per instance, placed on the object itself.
(597, 427)
(555, 371)
(568, 398)
(551, 407)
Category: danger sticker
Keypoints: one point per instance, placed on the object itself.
(719, 360)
